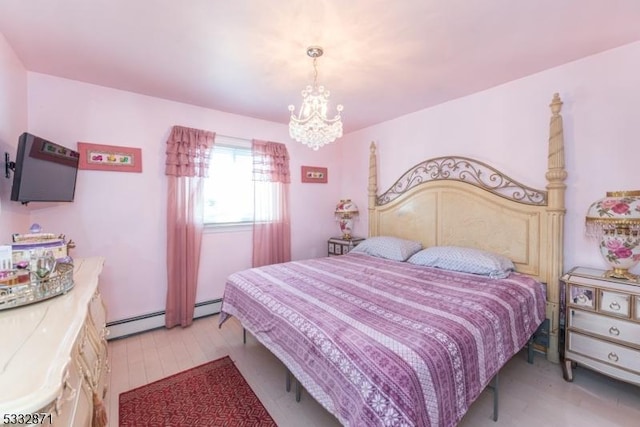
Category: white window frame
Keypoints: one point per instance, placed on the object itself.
(230, 142)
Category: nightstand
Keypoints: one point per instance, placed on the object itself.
(603, 324)
(340, 246)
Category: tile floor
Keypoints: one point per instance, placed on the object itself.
(530, 395)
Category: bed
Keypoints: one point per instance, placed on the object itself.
(380, 339)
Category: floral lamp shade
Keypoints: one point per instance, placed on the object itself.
(345, 213)
(615, 220)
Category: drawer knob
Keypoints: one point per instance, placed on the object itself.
(614, 306)
(613, 357)
(614, 331)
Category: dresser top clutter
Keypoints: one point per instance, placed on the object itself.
(35, 267)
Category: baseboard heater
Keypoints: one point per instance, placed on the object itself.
(147, 322)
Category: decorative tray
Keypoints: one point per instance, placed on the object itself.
(57, 283)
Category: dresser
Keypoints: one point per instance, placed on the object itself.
(602, 324)
(340, 246)
(53, 357)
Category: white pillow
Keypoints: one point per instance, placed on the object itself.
(388, 247)
(466, 260)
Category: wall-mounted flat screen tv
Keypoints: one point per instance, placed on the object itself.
(44, 171)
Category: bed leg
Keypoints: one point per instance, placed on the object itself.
(298, 391)
(288, 386)
(530, 349)
(494, 386)
(244, 336)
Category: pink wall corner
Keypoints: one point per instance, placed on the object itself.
(312, 221)
(508, 127)
(121, 216)
(13, 121)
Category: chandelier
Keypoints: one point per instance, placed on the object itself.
(311, 126)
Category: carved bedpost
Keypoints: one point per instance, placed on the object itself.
(372, 188)
(556, 175)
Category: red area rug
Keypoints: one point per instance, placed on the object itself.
(213, 394)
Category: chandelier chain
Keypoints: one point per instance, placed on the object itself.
(315, 71)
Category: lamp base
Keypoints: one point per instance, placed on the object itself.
(346, 226)
(621, 273)
(620, 248)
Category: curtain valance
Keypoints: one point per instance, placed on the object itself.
(270, 162)
(188, 152)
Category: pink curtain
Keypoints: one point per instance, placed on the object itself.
(271, 223)
(187, 166)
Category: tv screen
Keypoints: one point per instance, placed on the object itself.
(44, 171)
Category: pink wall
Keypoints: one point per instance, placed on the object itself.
(121, 216)
(13, 121)
(507, 126)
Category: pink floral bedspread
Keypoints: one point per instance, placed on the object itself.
(385, 343)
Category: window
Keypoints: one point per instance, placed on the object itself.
(228, 192)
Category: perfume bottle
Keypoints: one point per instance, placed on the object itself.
(42, 264)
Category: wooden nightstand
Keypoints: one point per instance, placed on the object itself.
(340, 246)
(603, 324)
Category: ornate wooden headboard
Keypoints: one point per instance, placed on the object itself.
(463, 202)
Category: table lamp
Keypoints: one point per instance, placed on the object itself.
(346, 211)
(615, 221)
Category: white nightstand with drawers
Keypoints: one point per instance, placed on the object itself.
(602, 325)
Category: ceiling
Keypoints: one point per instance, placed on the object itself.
(383, 58)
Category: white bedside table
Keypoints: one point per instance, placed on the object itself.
(602, 329)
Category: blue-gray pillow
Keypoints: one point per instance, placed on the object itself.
(466, 260)
(388, 247)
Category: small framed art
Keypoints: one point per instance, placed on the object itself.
(109, 157)
(314, 174)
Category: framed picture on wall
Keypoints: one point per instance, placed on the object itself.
(314, 174)
(109, 157)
